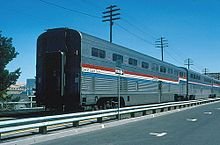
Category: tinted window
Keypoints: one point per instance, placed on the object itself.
(175, 72)
(95, 52)
(132, 61)
(145, 65)
(163, 69)
(117, 58)
(98, 53)
(181, 74)
(154, 67)
(194, 76)
(170, 71)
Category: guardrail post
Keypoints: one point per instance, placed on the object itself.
(43, 129)
(132, 114)
(169, 108)
(154, 111)
(144, 112)
(99, 120)
(76, 124)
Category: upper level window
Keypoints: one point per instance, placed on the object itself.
(132, 61)
(194, 76)
(176, 72)
(98, 52)
(170, 71)
(163, 69)
(207, 80)
(154, 67)
(145, 65)
(117, 57)
(181, 74)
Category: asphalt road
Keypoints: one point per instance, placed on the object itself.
(196, 126)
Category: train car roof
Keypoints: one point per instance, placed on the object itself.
(93, 38)
(105, 42)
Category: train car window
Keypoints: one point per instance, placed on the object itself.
(194, 76)
(101, 53)
(98, 52)
(163, 69)
(154, 67)
(145, 65)
(132, 61)
(95, 52)
(181, 74)
(170, 71)
(117, 58)
(175, 72)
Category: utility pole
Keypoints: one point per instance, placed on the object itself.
(161, 43)
(205, 70)
(188, 62)
(111, 15)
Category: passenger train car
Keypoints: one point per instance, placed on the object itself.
(76, 71)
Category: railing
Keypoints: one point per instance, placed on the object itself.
(14, 108)
(43, 122)
(10, 106)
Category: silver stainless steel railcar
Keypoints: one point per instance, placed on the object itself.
(77, 71)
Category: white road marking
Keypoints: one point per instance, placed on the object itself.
(158, 134)
(208, 113)
(192, 119)
(218, 108)
(103, 126)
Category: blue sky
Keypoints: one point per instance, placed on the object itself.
(192, 28)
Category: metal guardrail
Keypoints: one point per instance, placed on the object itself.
(43, 122)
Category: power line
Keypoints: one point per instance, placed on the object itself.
(92, 3)
(139, 29)
(71, 10)
(83, 13)
(97, 17)
(146, 30)
(146, 41)
(173, 57)
(177, 53)
(124, 20)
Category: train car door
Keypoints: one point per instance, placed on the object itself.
(54, 78)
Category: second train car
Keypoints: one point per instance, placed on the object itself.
(76, 71)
